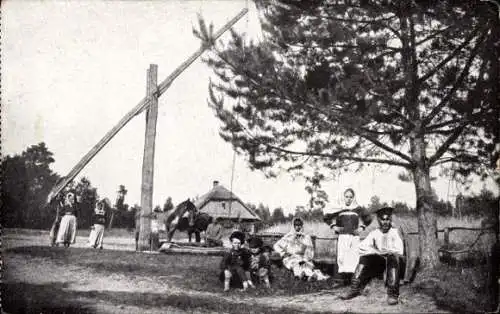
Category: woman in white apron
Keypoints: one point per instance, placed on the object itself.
(67, 229)
(98, 224)
(347, 223)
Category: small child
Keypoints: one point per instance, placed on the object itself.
(235, 263)
(260, 263)
(98, 222)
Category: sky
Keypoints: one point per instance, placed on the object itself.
(72, 70)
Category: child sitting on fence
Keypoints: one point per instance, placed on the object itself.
(260, 263)
(235, 264)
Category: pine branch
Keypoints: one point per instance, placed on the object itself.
(442, 124)
(451, 56)
(378, 22)
(457, 83)
(450, 140)
(329, 116)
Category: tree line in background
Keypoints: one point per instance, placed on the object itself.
(477, 206)
(27, 179)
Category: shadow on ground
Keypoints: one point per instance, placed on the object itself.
(47, 298)
(452, 288)
(54, 298)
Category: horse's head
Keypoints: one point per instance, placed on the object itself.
(190, 208)
(193, 212)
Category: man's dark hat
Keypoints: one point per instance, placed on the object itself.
(298, 221)
(255, 242)
(384, 211)
(238, 235)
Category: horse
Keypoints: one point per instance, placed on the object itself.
(195, 222)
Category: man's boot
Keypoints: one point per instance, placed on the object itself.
(356, 283)
(392, 280)
(343, 280)
(347, 279)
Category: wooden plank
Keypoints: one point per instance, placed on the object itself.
(173, 248)
(148, 162)
(447, 236)
(467, 228)
(142, 105)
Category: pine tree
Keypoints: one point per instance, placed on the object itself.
(341, 84)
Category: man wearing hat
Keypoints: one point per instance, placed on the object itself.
(380, 251)
(235, 264)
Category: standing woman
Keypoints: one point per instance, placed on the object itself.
(98, 224)
(67, 230)
(349, 221)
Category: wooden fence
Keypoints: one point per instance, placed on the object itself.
(271, 237)
(411, 246)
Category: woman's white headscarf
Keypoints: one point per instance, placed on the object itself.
(293, 231)
(294, 241)
(354, 204)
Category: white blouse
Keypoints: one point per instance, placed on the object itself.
(378, 242)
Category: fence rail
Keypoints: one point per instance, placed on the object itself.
(446, 231)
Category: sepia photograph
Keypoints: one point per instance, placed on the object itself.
(250, 156)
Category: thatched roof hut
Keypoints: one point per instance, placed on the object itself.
(220, 202)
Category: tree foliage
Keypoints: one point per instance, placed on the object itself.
(168, 205)
(278, 215)
(120, 200)
(26, 181)
(342, 84)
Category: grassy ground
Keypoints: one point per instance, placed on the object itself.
(42, 279)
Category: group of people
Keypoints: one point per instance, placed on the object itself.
(63, 231)
(245, 266)
(380, 252)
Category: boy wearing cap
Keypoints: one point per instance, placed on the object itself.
(260, 264)
(380, 251)
(235, 264)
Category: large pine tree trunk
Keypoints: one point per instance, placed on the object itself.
(427, 222)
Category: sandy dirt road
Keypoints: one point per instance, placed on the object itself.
(47, 284)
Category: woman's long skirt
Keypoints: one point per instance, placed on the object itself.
(347, 253)
(67, 230)
(96, 236)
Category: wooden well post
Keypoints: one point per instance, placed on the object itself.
(148, 160)
(150, 104)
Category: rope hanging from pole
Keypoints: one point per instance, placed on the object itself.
(231, 197)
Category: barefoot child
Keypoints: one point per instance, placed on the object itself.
(235, 263)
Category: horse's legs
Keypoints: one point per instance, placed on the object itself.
(197, 236)
(170, 233)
